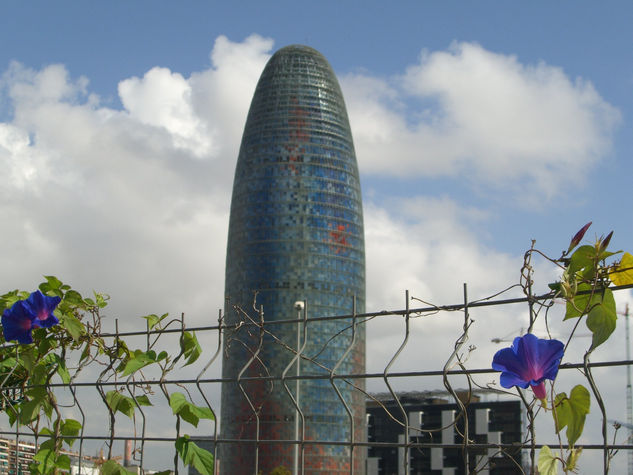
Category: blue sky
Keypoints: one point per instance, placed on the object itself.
(108, 43)
(478, 126)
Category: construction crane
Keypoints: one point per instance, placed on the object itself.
(629, 393)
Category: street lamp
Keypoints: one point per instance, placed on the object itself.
(300, 306)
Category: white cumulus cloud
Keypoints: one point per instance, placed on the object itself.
(473, 113)
(132, 202)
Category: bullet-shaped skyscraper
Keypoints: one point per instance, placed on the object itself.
(295, 235)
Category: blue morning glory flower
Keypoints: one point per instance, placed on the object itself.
(529, 362)
(22, 317)
(17, 323)
(42, 306)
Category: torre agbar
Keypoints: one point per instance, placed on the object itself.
(295, 252)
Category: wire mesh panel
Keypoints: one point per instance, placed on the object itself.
(417, 419)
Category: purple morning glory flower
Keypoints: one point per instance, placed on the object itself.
(22, 317)
(529, 362)
(42, 306)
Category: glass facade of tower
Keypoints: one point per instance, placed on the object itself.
(295, 234)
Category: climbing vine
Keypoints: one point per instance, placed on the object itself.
(588, 273)
(58, 334)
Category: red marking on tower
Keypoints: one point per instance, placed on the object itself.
(338, 236)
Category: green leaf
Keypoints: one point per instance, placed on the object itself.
(111, 467)
(7, 363)
(581, 304)
(30, 409)
(52, 286)
(12, 412)
(153, 320)
(601, 319)
(571, 412)
(69, 429)
(190, 347)
(188, 411)
(46, 344)
(28, 358)
(72, 297)
(122, 349)
(73, 326)
(547, 462)
(39, 334)
(583, 258)
(63, 462)
(102, 300)
(45, 457)
(48, 444)
(38, 398)
(572, 459)
(8, 299)
(555, 286)
(62, 371)
(39, 374)
(622, 273)
(118, 402)
(143, 400)
(139, 359)
(606, 254)
(85, 354)
(191, 454)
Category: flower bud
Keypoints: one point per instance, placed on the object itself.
(578, 236)
(605, 242)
